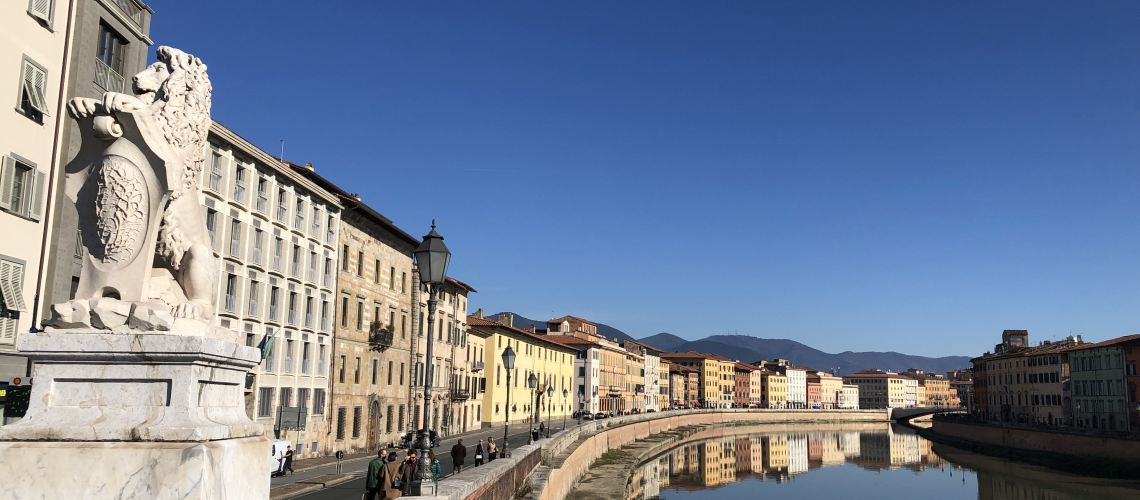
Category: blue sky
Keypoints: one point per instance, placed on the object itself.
(911, 176)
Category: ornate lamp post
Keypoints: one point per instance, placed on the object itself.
(549, 397)
(532, 382)
(565, 395)
(509, 363)
(432, 257)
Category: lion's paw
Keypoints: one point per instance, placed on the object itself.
(190, 309)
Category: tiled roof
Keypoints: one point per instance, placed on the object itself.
(564, 318)
(461, 284)
(1106, 343)
(475, 321)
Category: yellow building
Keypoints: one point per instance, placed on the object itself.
(552, 363)
(933, 388)
(665, 401)
(717, 376)
(773, 388)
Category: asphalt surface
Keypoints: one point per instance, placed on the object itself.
(352, 490)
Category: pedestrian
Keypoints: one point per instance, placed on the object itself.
(436, 470)
(434, 438)
(389, 475)
(288, 461)
(479, 453)
(534, 434)
(409, 470)
(492, 449)
(372, 481)
(458, 455)
(541, 428)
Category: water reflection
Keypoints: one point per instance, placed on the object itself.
(856, 461)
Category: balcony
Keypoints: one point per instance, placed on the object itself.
(460, 395)
(380, 339)
(615, 391)
(108, 78)
(476, 366)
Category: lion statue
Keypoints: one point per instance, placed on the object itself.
(170, 112)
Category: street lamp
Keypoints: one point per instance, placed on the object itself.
(432, 258)
(532, 382)
(549, 396)
(565, 394)
(509, 363)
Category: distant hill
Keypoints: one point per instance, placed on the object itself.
(665, 341)
(751, 349)
(610, 332)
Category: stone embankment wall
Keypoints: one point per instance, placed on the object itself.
(567, 466)
(565, 459)
(1106, 447)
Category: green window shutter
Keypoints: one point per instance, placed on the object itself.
(34, 81)
(7, 178)
(36, 211)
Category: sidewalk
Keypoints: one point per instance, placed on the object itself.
(312, 468)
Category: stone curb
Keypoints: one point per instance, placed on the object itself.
(310, 485)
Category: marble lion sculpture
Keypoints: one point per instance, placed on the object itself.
(171, 111)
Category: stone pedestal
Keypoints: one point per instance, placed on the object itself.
(134, 416)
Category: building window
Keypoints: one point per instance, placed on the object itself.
(292, 308)
(375, 370)
(231, 293)
(306, 348)
(316, 223)
(215, 171)
(303, 397)
(262, 193)
(33, 88)
(390, 373)
(403, 282)
(296, 267)
(324, 314)
(308, 312)
(388, 423)
(356, 411)
(252, 310)
(240, 175)
(258, 237)
(340, 371)
(21, 188)
(11, 291)
(344, 312)
(359, 315)
(376, 277)
(344, 259)
(341, 414)
(211, 227)
(401, 381)
(299, 223)
(265, 402)
(321, 359)
(360, 263)
(282, 204)
(288, 368)
(356, 371)
(235, 238)
(330, 233)
(271, 358)
(274, 292)
(318, 401)
(111, 49)
(314, 263)
(278, 249)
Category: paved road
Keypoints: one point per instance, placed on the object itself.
(352, 490)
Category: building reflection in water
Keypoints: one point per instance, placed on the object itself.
(713, 459)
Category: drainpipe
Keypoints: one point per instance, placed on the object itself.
(60, 120)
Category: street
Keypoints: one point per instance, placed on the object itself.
(352, 489)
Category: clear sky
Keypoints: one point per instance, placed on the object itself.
(911, 176)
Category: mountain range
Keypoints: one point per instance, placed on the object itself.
(752, 349)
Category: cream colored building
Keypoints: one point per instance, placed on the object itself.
(848, 398)
(879, 389)
(450, 343)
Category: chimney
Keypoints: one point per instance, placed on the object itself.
(532, 328)
(479, 313)
(309, 166)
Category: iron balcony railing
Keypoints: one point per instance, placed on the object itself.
(477, 366)
(108, 78)
(460, 395)
(380, 339)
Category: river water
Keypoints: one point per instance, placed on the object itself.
(856, 461)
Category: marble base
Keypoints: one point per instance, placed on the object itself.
(231, 469)
(134, 387)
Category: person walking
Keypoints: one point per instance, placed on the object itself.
(389, 474)
(436, 469)
(372, 480)
(479, 453)
(288, 461)
(541, 428)
(492, 450)
(409, 470)
(458, 455)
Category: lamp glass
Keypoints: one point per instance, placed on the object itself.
(532, 382)
(550, 392)
(509, 358)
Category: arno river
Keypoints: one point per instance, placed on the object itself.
(866, 461)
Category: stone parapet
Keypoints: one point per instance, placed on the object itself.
(1069, 443)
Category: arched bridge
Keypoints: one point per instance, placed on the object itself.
(900, 414)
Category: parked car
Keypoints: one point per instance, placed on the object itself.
(599, 415)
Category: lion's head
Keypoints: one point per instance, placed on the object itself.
(178, 91)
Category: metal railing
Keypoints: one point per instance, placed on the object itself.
(477, 366)
(108, 78)
(460, 395)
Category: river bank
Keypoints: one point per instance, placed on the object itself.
(1085, 455)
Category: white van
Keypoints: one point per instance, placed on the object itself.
(277, 456)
